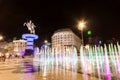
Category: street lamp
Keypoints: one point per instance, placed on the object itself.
(45, 41)
(1, 37)
(81, 25)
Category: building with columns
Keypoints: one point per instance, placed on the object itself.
(63, 38)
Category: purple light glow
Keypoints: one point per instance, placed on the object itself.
(30, 40)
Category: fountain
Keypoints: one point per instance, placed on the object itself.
(104, 62)
(101, 62)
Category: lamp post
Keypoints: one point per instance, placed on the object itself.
(81, 25)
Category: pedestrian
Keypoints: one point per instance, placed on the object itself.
(4, 57)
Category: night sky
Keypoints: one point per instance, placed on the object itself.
(103, 17)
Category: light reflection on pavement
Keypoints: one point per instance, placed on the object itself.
(23, 69)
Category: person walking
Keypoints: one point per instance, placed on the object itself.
(4, 57)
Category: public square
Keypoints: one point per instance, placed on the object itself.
(59, 40)
(23, 69)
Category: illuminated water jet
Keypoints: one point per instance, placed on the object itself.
(99, 61)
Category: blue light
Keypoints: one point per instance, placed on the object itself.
(26, 36)
(29, 43)
(100, 42)
(30, 40)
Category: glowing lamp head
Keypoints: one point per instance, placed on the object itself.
(1, 37)
(81, 24)
(45, 41)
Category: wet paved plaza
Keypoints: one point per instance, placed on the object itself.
(24, 69)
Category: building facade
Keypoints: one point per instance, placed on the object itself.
(19, 47)
(63, 38)
(6, 47)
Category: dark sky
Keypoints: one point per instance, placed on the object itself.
(103, 17)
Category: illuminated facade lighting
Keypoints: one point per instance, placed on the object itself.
(19, 47)
(65, 37)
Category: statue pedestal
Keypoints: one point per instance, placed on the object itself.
(30, 43)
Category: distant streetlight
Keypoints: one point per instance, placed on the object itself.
(46, 44)
(1, 37)
(45, 41)
(81, 25)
